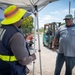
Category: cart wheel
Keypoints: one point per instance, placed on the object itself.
(50, 46)
(43, 44)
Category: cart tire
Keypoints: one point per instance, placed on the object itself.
(50, 46)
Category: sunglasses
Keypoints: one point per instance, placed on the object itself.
(67, 19)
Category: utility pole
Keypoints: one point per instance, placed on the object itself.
(74, 17)
(74, 14)
(69, 6)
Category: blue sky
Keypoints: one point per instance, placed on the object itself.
(55, 12)
(1, 14)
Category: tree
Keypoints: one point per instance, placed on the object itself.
(41, 30)
(63, 24)
(27, 24)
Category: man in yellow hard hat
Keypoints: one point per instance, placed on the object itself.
(13, 52)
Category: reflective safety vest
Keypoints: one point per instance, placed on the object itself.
(7, 58)
(8, 63)
(6, 33)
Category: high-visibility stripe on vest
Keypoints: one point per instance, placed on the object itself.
(7, 58)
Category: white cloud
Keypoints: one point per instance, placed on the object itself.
(54, 16)
(64, 11)
(54, 12)
(73, 10)
(47, 19)
(59, 12)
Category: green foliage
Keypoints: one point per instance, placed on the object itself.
(40, 29)
(63, 24)
(27, 24)
(0, 23)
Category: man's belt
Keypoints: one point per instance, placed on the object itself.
(7, 58)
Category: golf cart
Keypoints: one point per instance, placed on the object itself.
(49, 33)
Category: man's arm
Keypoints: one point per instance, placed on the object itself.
(28, 60)
(55, 40)
(54, 43)
(18, 47)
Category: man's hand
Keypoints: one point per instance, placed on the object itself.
(53, 44)
(53, 48)
(33, 56)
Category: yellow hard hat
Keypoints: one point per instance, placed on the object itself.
(13, 14)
